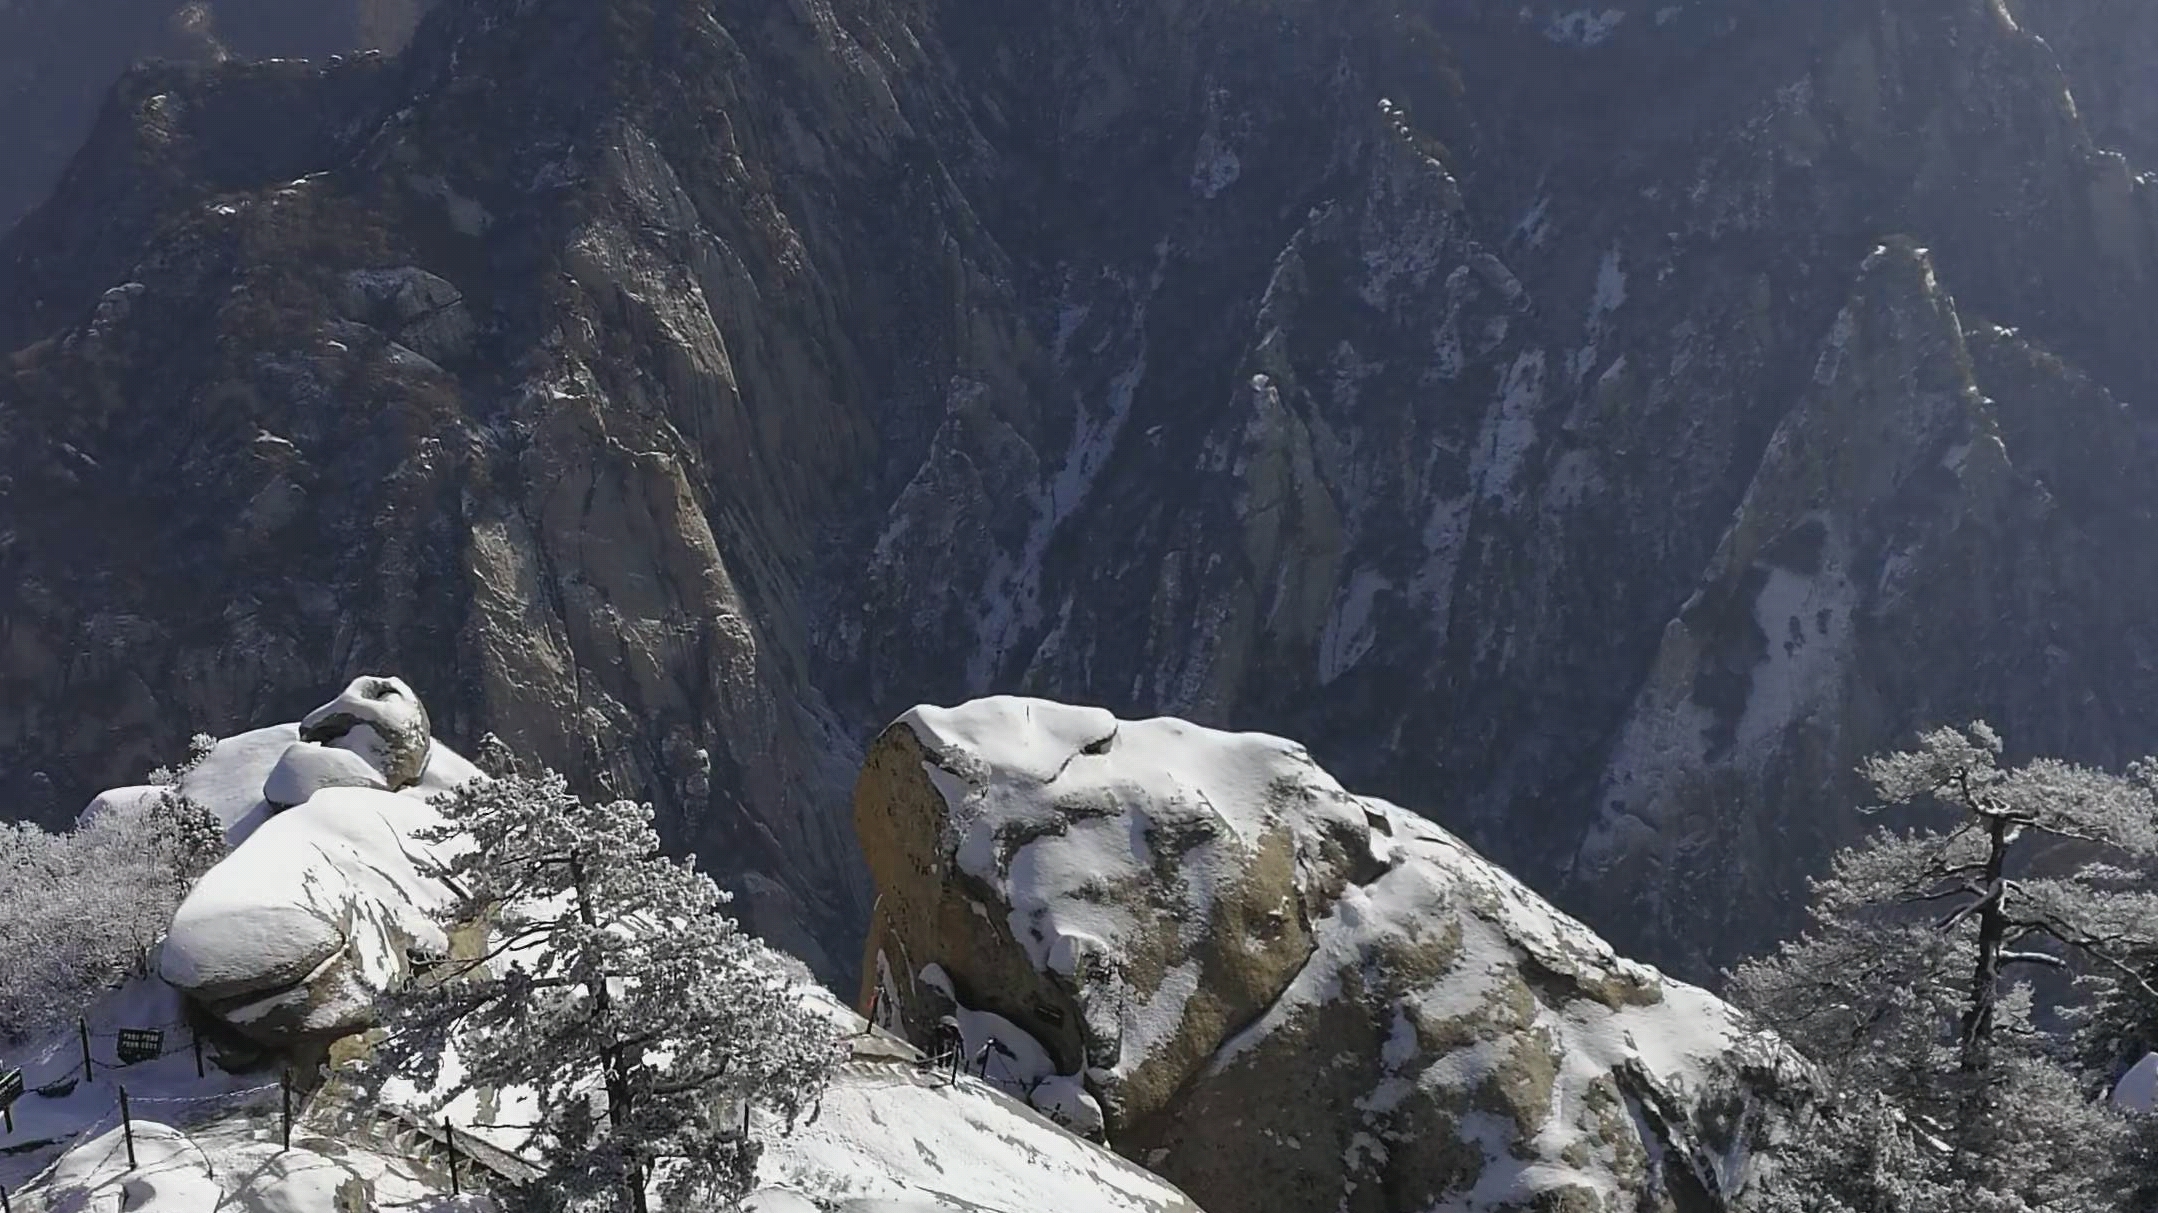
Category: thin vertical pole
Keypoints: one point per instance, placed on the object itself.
(284, 1083)
(127, 1127)
(197, 1034)
(451, 1141)
(89, 1068)
(9, 1113)
(3, 1202)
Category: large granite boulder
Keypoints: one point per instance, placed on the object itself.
(295, 935)
(1190, 924)
(383, 721)
(330, 888)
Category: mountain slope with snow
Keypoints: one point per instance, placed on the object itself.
(681, 390)
(278, 962)
(1185, 923)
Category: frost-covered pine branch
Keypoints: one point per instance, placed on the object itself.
(615, 987)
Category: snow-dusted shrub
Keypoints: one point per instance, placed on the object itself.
(82, 911)
(617, 990)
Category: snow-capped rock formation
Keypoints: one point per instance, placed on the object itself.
(381, 721)
(298, 932)
(1286, 997)
(329, 889)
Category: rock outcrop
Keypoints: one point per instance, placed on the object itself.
(1285, 997)
(295, 936)
(382, 722)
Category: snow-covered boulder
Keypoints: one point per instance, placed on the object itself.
(170, 1175)
(224, 1161)
(1281, 996)
(294, 935)
(306, 768)
(381, 720)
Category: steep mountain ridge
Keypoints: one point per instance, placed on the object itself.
(686, 388)
(59, 58)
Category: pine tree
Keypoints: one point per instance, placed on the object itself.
(616, 988)
(1942, 966)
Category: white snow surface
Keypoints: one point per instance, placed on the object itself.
(192, 1157)
(306, 768)
(229, 782)
(2137, 1091)
(894, 1139)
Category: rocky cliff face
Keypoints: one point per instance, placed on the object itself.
(1595, 426)
(59, 58)
(1279, 995)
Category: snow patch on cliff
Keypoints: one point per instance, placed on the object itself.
(1666, 734)
(1010, 604)
(1215, 166)
(1609, 297)
(1509, 430)
(1445, 532)
(1807, 619)
(1350, 631)
(1583, 27)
